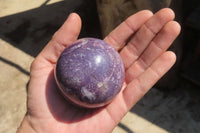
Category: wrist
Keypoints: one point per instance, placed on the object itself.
(25, 127)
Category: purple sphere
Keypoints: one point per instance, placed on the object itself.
(90, 72)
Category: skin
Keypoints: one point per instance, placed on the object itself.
(145, 59)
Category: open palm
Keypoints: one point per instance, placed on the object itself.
(142, 41)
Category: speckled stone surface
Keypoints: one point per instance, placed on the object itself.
(90, 72)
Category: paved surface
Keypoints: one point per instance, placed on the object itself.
(26, 26)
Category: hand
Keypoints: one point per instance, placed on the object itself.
(145, 59)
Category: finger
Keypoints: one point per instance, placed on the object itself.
(119, 36)
(138, 87)
(67, 34)
(144, 36)
(158, 45)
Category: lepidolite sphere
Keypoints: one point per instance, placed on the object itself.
(90, 72)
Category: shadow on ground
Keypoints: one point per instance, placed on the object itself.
(31, 30)
(176, 111)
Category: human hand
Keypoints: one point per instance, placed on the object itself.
(145, 59)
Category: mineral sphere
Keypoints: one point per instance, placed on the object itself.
(90, 72)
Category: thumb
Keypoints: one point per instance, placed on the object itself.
(67, 34)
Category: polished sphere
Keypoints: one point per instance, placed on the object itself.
(90, 72)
